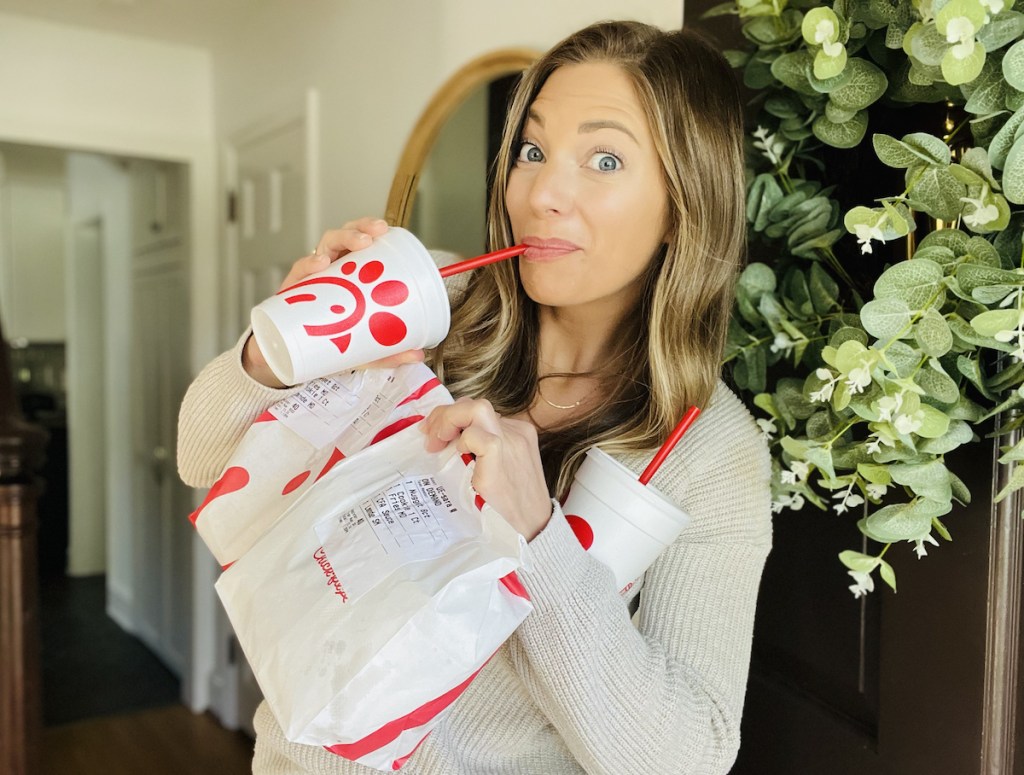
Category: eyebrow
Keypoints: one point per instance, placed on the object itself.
(590, 126)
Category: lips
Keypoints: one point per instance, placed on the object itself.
(540, 249)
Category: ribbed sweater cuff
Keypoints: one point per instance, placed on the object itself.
(558, 565)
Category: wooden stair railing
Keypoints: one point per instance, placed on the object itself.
(21, 450)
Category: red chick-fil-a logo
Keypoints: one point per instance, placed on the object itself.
(332, 578)
(347, 299)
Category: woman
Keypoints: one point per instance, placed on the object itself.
(621, 169)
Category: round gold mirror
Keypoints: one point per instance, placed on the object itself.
(440, 188)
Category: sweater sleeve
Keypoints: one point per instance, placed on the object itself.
(217, 410)
(663, 694)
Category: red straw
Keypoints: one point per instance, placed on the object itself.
(487, 258)
(673, 439)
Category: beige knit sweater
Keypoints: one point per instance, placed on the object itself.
(581, 686)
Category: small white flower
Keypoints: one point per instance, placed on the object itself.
(767, 427)
(876, 440)
(907, 424)
(782, 344)
(876, 491)
(801, 468)
(832, 49)
(847, 500)
(887, 405)
(824, 31)
(794, 501)
(770, 145)
(825, 392)
(787, 477)
(858, 379)
(866, 233)
(983, 214)
(919, 543)
(864, 583)
(992, 7)
(960, 30)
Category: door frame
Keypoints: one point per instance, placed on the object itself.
(225, 685)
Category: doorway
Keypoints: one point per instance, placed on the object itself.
(78, 258)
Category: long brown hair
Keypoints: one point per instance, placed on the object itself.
(668, 353)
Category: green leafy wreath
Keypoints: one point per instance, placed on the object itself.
(861, 400)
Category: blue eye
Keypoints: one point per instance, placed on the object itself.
(605, 162)
(529, 152)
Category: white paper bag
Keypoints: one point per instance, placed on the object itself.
(299, 439)
(370, 604)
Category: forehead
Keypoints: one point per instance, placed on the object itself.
(588, 91)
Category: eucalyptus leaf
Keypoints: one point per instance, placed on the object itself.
(938, 387)
(894, 153)
(756, 279)
(886, 319)
(836, 114)
(791, 70)
(983, 252)
(926, 44)
(1013, 173)
(847, 134)
(896, 522)
(972, 276)
(1005, 27)
(866, 84)
(930, 480)
(1004, 139)
(902, 358)
(936, 190)
(1015, 483)
(917, 282)
(994, 321)
(824, 290)
(1013, 65)
(933, 334)
(958, 434)
(954, 239)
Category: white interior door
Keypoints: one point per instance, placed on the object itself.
(161, 533)
(272, 172)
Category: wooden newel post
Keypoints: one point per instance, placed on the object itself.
(21, 718)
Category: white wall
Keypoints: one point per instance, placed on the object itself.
(32, 213)
(74, 88)
(99, 192)
(376, 65)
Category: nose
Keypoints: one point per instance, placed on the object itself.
(552, 189)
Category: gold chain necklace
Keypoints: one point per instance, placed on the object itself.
(552, 403)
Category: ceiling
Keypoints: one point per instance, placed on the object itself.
(191, 22)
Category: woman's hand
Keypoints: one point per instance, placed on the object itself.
(354, 235)
(508, 473)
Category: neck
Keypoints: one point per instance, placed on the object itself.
(577, 339)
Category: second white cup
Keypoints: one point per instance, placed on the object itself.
(384, 299)
(621, 522)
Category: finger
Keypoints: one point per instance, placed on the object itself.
(354, 235)
(445, 423)
(303, 268)
(486, 446)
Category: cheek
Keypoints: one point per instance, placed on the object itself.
(515, 196)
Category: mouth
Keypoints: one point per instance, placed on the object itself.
(540, 249)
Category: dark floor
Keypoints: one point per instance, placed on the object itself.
(91, 667)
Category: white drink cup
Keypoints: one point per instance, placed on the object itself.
(620, 521)
(371, 303)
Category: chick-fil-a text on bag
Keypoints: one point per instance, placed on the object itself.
(299, 439)
(370, 604)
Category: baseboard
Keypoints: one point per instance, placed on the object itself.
(119, 607)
